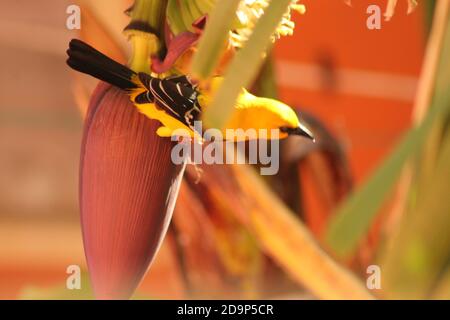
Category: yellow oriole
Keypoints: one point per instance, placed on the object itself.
(176, 102)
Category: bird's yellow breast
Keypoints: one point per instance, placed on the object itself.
(169, 124)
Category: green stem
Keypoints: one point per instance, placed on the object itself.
(146, 32)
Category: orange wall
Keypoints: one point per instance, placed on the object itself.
(359, 82)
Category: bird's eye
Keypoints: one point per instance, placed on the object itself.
(285, 129)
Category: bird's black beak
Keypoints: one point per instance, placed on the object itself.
(301, 130)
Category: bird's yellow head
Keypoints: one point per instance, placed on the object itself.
(260, 114)
(267, 114)
(277, 115)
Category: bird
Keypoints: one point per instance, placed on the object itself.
(177, 102)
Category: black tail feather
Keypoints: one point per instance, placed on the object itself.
(86, 59)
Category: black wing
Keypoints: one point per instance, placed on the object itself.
(184, 80)
(176, 95)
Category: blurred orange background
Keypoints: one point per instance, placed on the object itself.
(360, 83)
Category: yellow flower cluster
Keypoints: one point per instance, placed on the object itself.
(250, 11)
